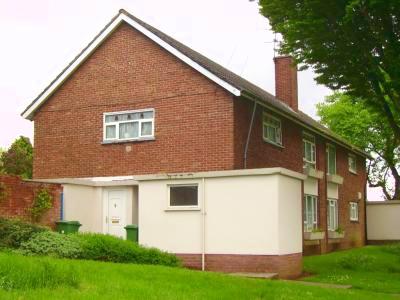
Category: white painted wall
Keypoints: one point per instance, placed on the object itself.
(84, 204)
(311, 186)
(87, 204)
(333, 190)
(383, 220)
(290, 216)
(258, 214)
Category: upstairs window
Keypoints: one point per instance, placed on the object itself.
(308, 151)
(352, 163)
(353, 211)
(130, 125)
(272, 129)
(331, 159)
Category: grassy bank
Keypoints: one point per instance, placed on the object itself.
(79, 279)
(371, 268)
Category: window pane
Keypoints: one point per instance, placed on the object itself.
(146, 128)
(128, 130)
(183, 196)
(109, 119)
(111, 131)
(331, 160)
(146, 115)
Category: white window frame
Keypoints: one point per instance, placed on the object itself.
(278, 129)
(327, 159)
(183, 207)
(354, 158)
(353, 211)
(139, 121)
(309, 139)
(333, 203)
(314, 225)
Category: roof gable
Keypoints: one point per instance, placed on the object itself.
(98, 40)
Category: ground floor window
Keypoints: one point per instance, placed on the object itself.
(333, 214)
(353, 211)
(310, 213)
(183, 195)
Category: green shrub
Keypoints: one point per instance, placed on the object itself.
(109, 248)
(52, 244)
(42, 202)
(18, 272)
(14, 232)
(356, 261)
(95, 247)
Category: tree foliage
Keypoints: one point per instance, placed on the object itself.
(17, 160)
(353, 45)
(367, 130)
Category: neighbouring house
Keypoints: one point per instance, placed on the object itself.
(141, 129)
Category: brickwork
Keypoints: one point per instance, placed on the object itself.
(287, 266)
(286, 81)
(19, 198)
(193, 116)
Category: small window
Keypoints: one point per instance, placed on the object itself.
(183, 196)
(310, 213)
(333, 215)
(353, 211)
(272, 131)
(352, 163)
(331, 159)
(309, 151)
(132, 125)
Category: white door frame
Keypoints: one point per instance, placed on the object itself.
(128, 198)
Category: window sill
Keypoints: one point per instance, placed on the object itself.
(355, 221)
(274, 144)
(182, 209)
(128, 141)
(353, 172)
(334, 178)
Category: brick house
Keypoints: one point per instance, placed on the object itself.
(140, 129)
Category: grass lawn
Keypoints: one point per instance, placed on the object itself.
(371, 268)
(50, 278)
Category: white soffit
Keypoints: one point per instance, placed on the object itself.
(28, 113)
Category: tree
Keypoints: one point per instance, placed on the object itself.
(353, 46)
(17, 160)
(364, 127)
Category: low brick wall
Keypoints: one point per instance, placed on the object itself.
(286, 266)
(19, 199)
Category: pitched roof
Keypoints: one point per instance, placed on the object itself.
(227, 79)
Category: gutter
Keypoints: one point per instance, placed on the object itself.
(246, 148)
(203, 225)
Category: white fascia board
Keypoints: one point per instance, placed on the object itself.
(122, 17)
(225, 173)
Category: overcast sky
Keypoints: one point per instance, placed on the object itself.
(39, 38)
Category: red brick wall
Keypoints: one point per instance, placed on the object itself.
(193, 116)
(348, 192)
(286, 266)
(286, 81)
(260, 153)
(19, 200)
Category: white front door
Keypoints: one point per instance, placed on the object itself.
(116, 212)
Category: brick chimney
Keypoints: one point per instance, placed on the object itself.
(286, 81)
